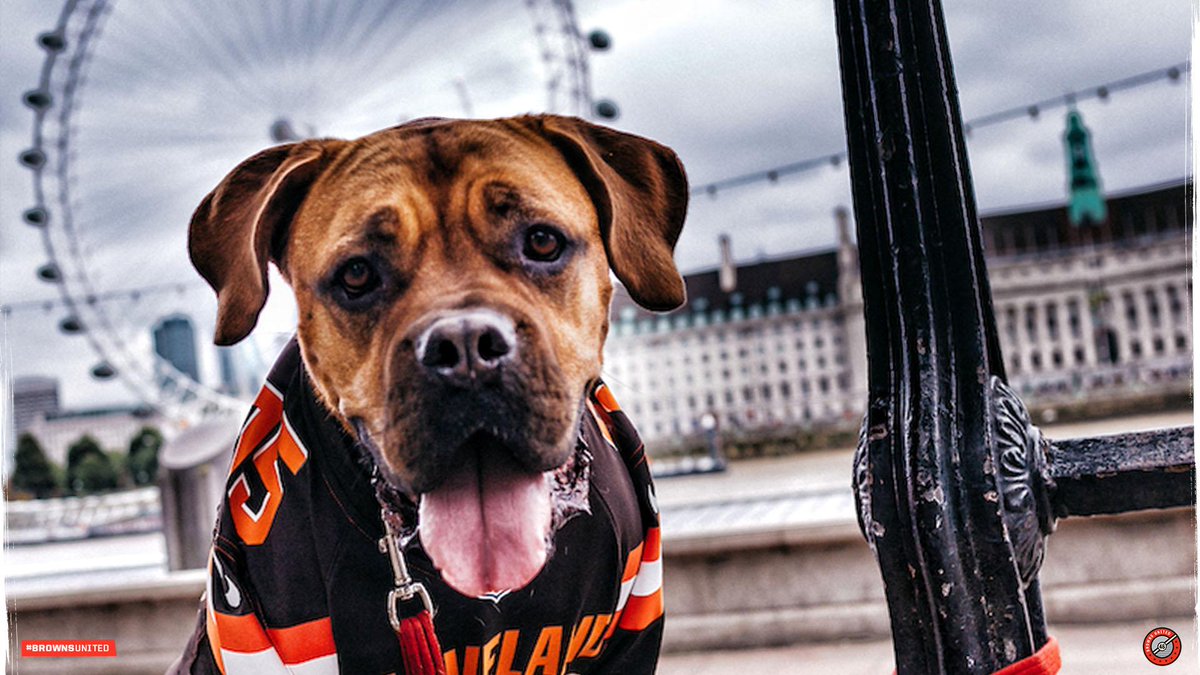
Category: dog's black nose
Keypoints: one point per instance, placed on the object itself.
(467, 346)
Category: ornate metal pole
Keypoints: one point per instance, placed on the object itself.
(956, 488)
(941, 425)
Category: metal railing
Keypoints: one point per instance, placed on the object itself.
(956, 488)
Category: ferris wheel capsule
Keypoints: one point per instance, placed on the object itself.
(607, 109)
(71, 325)
(33, 158)
(49, 272)
(36, 216)
(52, 41)
(38, 99)
(103, 371)
(599, 40)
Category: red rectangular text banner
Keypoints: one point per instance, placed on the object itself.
(67, 649)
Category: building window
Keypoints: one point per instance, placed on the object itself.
(1173, 303)
(1131, 313)
(1180, 342)
(1073, 317)
(823, 383)
(1031, 323)
(1079, 356)
(766, 392)
(1057, 358)
(1052, 320)
(1135, 349)
(785, 390)
(1159, 346)
(1152, 307)
(1016, 363)
(1035, 361)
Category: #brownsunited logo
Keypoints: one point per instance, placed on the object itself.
(1162, 646)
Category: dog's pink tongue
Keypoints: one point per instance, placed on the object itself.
(486, 527)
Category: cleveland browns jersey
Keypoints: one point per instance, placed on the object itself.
(297, 583)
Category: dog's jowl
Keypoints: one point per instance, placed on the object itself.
(437, 437)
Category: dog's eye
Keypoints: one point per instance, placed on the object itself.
(543, 243)
(358, 277)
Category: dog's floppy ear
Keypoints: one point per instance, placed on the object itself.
(640, 193)
(241, 226)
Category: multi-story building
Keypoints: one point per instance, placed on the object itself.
(1085, 309)
(175, 341)
(33, 397)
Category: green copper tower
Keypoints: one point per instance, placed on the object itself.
(1087, 201)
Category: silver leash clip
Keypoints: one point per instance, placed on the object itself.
(405, 588)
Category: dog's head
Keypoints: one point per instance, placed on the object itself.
(452, 282)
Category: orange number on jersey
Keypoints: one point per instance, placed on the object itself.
(266, 438)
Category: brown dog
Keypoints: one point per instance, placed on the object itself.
(452, 282)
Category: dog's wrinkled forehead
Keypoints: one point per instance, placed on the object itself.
(294, 200)
(443, 179)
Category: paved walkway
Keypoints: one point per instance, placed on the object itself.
(1102, 649)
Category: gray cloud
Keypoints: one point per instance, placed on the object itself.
(175, 99)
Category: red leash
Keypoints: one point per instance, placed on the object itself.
(412, 621)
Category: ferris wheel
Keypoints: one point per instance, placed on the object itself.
(141, 107)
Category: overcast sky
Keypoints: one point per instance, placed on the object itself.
(176, 97)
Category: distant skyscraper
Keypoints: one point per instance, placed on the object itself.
(33, 397)
(175, 341)
(227, 360)
(239, 376)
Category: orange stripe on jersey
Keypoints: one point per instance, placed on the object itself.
(632, 564)
(653, 545)
(602, 423)
(641, 611)
(304, 642)
(605, 398)
(241, 633)
(214, 639)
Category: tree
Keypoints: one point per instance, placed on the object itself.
(80, 450)
(95, 473)
(32, 471)
(143, 455)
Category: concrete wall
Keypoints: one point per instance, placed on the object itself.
(748, 589)
(774, 588)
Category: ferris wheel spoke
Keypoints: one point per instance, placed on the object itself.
(177, 91)
(230, 66)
